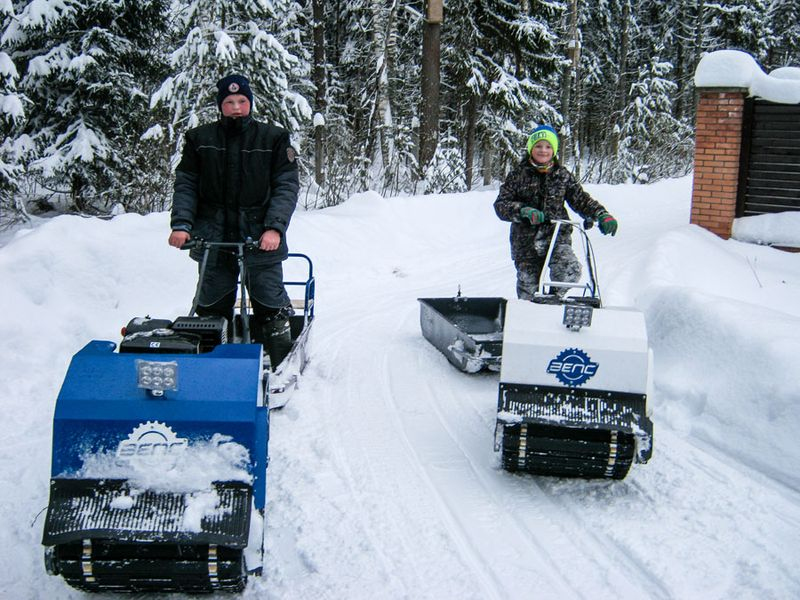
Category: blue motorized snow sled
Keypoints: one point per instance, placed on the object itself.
(158, 479)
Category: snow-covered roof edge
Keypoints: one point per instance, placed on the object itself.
(736, 69)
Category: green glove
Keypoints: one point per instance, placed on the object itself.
(534, 215)
(606, 223)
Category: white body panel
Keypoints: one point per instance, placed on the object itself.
(615, 343)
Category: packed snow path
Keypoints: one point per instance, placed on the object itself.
(382, 480)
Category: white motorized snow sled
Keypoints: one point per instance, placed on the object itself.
(158, 478)
(574, 375)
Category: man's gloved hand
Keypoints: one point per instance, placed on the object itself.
(607, 223)
(534, 215)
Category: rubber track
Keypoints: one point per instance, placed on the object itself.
(112, 567)
(567, 451)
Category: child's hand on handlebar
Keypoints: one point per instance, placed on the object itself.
(534, 215)
(607, 223)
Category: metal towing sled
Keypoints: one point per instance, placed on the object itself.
(468, 331)
(574, 375)
(158, 478)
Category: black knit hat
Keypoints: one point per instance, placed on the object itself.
(233, 84)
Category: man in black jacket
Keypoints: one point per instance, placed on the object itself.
(238, 179)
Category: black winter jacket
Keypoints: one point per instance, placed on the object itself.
(525, 186)
(267, 185)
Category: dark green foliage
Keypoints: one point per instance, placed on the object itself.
(83, 72)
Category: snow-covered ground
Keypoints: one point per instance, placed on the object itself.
(382, 481)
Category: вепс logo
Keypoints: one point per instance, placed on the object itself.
(572, 367)
(151, 442)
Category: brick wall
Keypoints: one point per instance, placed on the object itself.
(718, 140)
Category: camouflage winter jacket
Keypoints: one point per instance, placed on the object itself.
(525, 186)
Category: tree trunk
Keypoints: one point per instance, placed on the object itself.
(319, 80)
(699, 41)
(469, 158)
(570, 76)
(430, 82)
(622, 83)
(487, 160)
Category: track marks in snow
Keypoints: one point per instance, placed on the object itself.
(455, 447)
(364, 485)
(686, 507)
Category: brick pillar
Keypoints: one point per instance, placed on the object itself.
(718, 142)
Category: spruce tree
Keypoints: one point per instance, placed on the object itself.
(783, 18)
(84, 68)
(11, 112)
(215, 38)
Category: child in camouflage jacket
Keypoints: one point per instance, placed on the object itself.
(533, 193)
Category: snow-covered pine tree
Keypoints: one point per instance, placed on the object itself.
(372, 91)
(653, 144)
(446, 171)
(84, 64)
(740, 24)
(11, 112)
(464, 84)
(501, 71)
(347, 118)
(602, 67)
(682, 32)
(214, 38)
(629, 127)
(650, 142)
(783, 18)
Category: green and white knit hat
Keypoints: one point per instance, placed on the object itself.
(546, 133)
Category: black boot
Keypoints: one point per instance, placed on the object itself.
(277, 333)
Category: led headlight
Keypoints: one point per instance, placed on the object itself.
(577, 316)
(157, 377)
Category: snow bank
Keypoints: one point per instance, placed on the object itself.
(775, 229)
(724, 334)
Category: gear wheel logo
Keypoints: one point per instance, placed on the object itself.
(572, 367)
(151, 442)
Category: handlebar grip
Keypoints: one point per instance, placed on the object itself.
(194, 243)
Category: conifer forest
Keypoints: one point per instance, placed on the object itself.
(396, 96)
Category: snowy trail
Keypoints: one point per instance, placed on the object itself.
(512, 510)
(507, 535)
(500, 529)
(382, 481)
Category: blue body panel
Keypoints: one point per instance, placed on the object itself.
(219, 392)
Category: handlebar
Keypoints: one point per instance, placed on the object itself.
(586, 224)
(201, 244)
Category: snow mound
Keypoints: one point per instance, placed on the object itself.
(736, 69)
